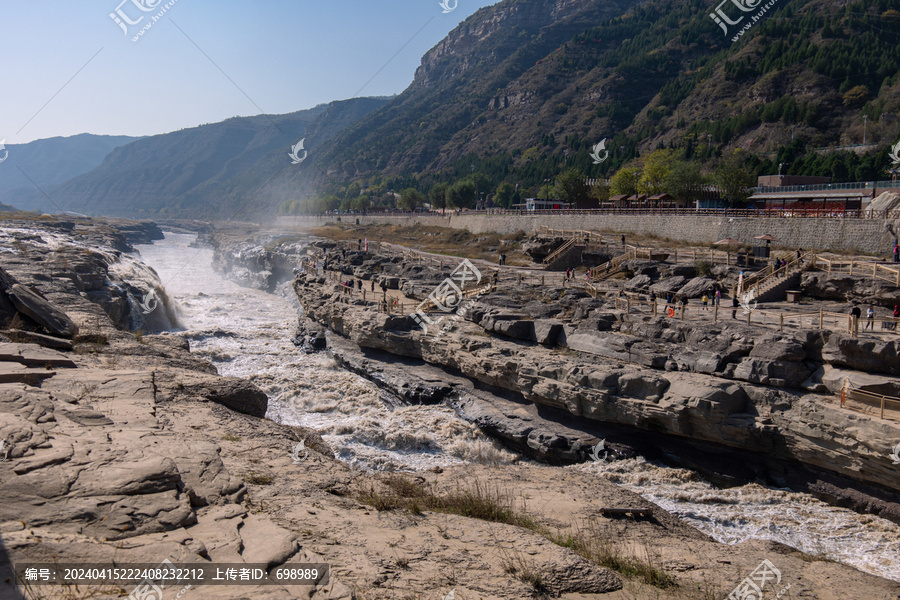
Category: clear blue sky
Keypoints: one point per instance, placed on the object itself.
(285, 55)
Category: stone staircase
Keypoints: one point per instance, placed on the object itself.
(562, 257)
(612, 266)
(773, 285)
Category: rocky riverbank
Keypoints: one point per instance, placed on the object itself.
(762, 400)
(123, 447)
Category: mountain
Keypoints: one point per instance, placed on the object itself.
(51, 161)
(215, 171)
(524, 88)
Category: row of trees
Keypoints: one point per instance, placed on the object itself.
(679, 172)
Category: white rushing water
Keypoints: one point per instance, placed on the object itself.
(246, 333)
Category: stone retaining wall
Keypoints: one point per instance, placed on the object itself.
(845, 235)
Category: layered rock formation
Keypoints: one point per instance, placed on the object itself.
(741, 388)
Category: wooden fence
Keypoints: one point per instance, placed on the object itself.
(875, 270)
(778, 319)
(870, 402)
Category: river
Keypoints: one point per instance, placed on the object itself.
(246, 333)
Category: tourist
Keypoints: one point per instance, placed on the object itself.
(870, 318)
(568, 272)
(623, 240)
(855, 314)
(373, 285)
(896, 317)
(734, 306)
(896, 251)
(718, 296)
(705, 301)
(799, 253)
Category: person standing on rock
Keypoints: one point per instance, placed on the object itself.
(855, 314)
(870, 318)
(718, 296)
(373, 285)
(705, 301)
(623, 240)
(734, 306)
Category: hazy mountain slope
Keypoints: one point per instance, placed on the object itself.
(53, 160)
(208, 171)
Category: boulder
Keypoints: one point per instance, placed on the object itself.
(669, 284)
(237, 394)
(42, 312)
(696, 287)
(546, 331)
(638, 282)
(518, 327)
(391, 283)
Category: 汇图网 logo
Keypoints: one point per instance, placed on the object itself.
(748, 301)
(744, 6)
(598, 148)
(4, 153)
(299, 453)
(894, 154)
(295, 152)
(149, 302)
(122, 18)
(595, 453)
(445, 4)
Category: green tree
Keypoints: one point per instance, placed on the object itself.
(462, 194)
(600, 191)
(438, 196)
(624, 182)
(326, 203)
(571, 186)
(360, 203)
(505, 195)
(410, 199)
(683, 180)
(734, 178)
(656, 167)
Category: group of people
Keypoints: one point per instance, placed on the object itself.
(856, 313)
